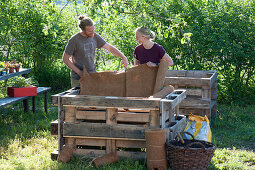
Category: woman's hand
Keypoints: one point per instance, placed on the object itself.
(151, 64)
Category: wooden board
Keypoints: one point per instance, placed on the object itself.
(108, 101)
(102, 130)
(92, 153)
(102, 142)
(121, 117)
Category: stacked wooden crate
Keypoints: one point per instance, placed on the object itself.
(96, 125)
(201, 87)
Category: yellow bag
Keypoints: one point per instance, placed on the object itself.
(199, 127)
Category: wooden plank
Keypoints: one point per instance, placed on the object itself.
(214, 110)
(101, 142)
(133, 117)
(194, 92)
(190, 73)
(188, 81)
(111, 119)
(11, 100)
(122, 116)
(72, 91)
(70, 115)
(54, 155)
(61, 141)
(154, 118)
(20, 72)
(42, 89)
(109, 102)
(54, 128)
(134, 110)
(91, 115)
(195, 103)
(214, 78)
(92, 153)
(132, 155)
(88, 153)
(195, 111)
(90, 142)
(101, 130)
(164, 110)
(130, 144)
(214, 91)
(206, 92)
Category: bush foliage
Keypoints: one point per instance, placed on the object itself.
(197, 34)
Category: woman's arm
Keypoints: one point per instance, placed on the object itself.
(136, 62)
(167, 58)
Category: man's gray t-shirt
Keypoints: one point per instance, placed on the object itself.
(83, 50)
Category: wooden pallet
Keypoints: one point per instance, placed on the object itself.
(201, 87)
(96, 125)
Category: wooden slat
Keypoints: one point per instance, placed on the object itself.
(190, 73)
(92, 153)
(101, 142)
(54, 128)
(155, 118)
(195, 111)
(20, 72)
(108, 101)
(196, 103)
(101, 130)
(188, 81)
(111, 119)
(122, 116)
(133, 117)
(214, 78)
(70, 115)
(194, 92)
(54, 98)
(91, 115)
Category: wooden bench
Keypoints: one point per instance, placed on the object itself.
(11, 100)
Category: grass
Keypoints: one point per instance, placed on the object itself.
(26, 143)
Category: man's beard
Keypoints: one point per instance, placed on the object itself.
(90, 35)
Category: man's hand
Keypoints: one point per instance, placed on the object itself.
(117, 53)
(124, 62)
(80, 73)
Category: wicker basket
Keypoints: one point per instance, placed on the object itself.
(192, 155)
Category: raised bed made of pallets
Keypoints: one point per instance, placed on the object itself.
(201, 87)
(96, 125)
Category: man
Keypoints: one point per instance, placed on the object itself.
(82, 47)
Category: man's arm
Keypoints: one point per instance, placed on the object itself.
(117, 53)
(66, 60)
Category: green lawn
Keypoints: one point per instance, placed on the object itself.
(26, 143)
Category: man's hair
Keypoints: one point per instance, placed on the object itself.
(84, 22)
(144, 31)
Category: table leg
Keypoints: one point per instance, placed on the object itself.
(33, 104)
(45, 102)
(25, 104)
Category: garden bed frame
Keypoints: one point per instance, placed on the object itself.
(201, 87)
(96, 125)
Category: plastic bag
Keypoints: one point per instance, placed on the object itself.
(199, 127)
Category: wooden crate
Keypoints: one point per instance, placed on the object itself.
(201, 87)
(96, 125)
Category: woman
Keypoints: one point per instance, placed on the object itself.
(148, 51)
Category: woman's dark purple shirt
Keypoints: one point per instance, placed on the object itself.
(154, 54)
